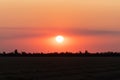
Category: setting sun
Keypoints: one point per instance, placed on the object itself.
(59, 39)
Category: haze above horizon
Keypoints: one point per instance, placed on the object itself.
(32, 25)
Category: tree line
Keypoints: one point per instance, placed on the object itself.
(86, 53)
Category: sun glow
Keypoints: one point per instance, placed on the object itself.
(59, 39)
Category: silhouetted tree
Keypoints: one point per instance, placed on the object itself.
(24, 53)
(86, 52)
(4, 53)
(16, 51)
(80, 52)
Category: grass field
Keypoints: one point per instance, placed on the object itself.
(60, 68)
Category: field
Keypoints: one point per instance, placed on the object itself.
(59, 68)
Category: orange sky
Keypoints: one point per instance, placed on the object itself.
(32, 25)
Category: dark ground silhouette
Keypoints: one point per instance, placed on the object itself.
(60, 66)
(60, 54)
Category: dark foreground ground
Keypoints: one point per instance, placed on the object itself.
(59, 68)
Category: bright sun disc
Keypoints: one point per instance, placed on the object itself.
(59, 39)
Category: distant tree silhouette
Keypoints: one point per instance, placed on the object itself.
(4, 53)
(24, 53)
(86, 53)
(80, 52)
(16, 52)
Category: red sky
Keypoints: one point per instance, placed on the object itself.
(32, 25)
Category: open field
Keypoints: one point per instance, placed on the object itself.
(59, 68)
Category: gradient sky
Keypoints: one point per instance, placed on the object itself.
(31, 25)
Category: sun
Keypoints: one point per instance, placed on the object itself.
(59, 39)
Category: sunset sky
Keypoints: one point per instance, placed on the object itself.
(32, 25)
